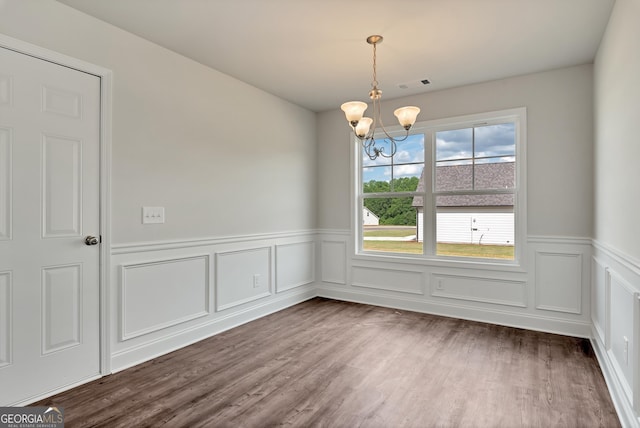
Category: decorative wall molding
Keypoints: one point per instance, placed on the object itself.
(177, 288)
(624, 259)
(558, 271)
(618, 278)
(139, 247)
(221, 272)
(624, 408)
(551, 283)
(147, 350)
(600, 298)
(343, 276)
(334, 261)
(566, 240)
(500, 316)
(242, 276)
(620, 346)
(295, 265)
(492, 290)
(390, 279)
(334, 232)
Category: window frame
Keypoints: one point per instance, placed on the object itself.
(429, 128)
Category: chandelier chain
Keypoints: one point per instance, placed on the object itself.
(374, 83)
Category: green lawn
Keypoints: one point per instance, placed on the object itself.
(395, 232)
(461, 250)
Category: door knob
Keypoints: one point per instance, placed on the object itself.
(91, 240)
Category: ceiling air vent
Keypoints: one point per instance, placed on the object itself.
(414, 84)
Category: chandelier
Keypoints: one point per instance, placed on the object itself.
(362, 126)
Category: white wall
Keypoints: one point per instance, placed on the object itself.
(616, 264)
(559, 153)
(177, 139)
(617, 115)
(239, 190)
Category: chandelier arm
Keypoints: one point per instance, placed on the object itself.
(389, 139)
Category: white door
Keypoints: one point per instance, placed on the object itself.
(49, 203)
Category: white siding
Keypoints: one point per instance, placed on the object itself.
(491, 228)
(369, 218)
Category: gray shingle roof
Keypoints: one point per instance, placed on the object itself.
(459, 177)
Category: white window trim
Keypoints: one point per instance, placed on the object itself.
(519, 116)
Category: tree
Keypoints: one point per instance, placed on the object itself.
(396, 210)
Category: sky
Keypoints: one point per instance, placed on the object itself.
(497, 141)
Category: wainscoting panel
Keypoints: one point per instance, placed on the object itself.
(599, 297)
(617, 300)
(494, 292)
(559, 281)
(295, 265)
(622, 329)
(163, 293)
(404, 280)
(242, 276)
(488, 290)
(5, 318)
(334, 261)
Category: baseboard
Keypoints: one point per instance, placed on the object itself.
(152, 349)
(494, 316)
(623, 407)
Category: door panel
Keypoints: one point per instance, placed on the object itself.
(61, 178)
(5, 183)
(49, 201)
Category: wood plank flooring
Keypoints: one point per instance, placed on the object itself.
(326, 363)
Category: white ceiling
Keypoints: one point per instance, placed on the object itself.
(314, 53)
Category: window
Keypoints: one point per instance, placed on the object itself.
(454, 189)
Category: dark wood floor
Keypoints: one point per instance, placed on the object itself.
(337, 364)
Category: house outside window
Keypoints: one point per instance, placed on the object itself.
(454, 190)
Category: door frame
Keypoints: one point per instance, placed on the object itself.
(106, 76)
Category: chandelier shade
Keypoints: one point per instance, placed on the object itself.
(354, 110)
(407, 116)
(365, 128)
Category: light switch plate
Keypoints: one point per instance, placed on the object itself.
(152, 215)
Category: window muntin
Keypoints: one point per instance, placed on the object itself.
(388, 174)
(474, 189)
(389, 186)
(481, 151)
(466, 158)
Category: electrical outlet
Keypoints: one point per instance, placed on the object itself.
(151, 215)
(256, 280)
